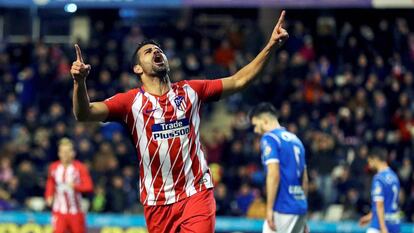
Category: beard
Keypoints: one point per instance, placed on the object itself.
(160, 70)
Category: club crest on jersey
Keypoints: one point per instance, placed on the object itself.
(267, 150)
(180, 103)
(377, 190)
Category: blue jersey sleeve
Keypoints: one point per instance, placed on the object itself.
(377, 192)
(270, 149)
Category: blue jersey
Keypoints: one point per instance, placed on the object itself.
(385, 187)
(285, 148)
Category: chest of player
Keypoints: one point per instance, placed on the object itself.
(166, 117)
(66, 175)
(165, 109)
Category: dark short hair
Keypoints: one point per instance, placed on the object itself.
(135, 59)
(379, 153)
(261, 108)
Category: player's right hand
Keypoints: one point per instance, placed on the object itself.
(270, 220)
(79, 69)
(364, 220)
(49, 201)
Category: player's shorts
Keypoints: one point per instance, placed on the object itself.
(194, 214)
(286, 223)
(372, 230)
(74, 223)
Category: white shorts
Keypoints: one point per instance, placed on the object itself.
(372, 230)
(286, 223)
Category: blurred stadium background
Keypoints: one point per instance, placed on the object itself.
(343, 82)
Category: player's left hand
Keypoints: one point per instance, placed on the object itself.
(270, 220)
(279, 34)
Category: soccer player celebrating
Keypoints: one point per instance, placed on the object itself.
(384, 194)
(67, 180)
(283, 156)
(163, 119)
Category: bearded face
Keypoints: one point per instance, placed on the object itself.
(153, 61)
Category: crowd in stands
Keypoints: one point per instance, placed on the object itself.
(342, 87)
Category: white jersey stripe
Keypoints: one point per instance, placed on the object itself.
(170, 184)
(162, 146)
(165, 164)
(142, 130)
(138, 98)
(58, 202)
(181, 150)
(65, 210)
(137, 108)
(156, 114)
(193, 98)
(70, 175)
(200, 154)
(143, 151)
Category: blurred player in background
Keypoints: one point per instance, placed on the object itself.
(67, 180)
(385, 189)
(283, 156)
(163, 119)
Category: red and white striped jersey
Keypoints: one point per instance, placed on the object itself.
(67, 200)
(165, 131)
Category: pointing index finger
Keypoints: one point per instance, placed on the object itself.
(281, 20)
(78, 53)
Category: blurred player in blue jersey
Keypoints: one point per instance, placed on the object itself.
(385, 188)
(283, 156)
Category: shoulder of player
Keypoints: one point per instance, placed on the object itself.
(379, 177)
(180, 83)
(272, 136)
(191, 83)
(183, 83)
(54, 165)
(389, 176)
(129, 93)
(392, 172)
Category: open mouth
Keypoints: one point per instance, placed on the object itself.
(158, 59)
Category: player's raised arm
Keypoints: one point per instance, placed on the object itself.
(246, 75)
(82, 108)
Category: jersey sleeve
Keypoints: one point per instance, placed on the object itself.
(85, 185)
(303, 153)
(270, 149)
(377, 192)
(207, 90)
(117, 106)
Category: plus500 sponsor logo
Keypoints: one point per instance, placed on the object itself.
(170, 129)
